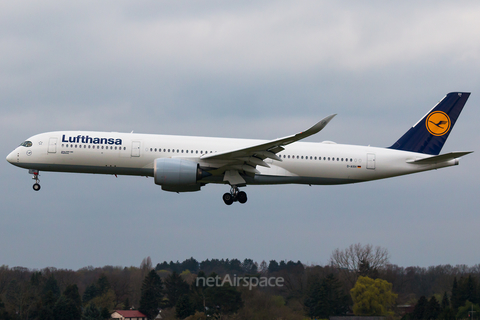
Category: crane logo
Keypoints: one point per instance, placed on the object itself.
(438, 123)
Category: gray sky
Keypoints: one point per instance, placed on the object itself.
(250, 69)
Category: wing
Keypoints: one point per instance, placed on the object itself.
(245, 160)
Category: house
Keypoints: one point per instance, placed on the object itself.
(128, 315)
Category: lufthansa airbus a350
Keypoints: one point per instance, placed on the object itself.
(186, 163)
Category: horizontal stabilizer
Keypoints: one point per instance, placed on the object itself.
(440, 158)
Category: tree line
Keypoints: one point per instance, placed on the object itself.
(349, 284)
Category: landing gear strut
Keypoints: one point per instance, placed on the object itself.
(234, 195)
(36, 185)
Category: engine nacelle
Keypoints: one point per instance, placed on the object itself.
(177, 175)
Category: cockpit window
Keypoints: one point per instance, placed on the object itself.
(26, 144)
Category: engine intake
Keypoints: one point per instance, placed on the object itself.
(177, 175)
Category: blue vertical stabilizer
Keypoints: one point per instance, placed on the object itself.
(430, 133)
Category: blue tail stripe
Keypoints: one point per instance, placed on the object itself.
(427, 136)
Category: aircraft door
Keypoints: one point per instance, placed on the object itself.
(52, 145)
(136, 148)
(371, 161)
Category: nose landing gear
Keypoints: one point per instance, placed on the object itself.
(234, 195)
(36, 185)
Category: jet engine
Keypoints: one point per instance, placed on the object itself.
(178, 175)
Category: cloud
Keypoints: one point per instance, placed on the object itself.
(250, 69)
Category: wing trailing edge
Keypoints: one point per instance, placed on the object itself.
(268, 149)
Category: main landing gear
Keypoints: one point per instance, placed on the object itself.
(234, 195)
(36, 185)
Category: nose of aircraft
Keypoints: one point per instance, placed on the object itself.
(12, 156)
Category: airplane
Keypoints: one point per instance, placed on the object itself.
(186, 163)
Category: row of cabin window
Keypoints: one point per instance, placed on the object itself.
(93, 147)
(315, 158)
(178, 150)
(284, 156)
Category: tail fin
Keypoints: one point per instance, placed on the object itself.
(430, 133)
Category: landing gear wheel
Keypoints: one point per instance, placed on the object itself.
(228, 199)
(35, 173)
(234, 195)
(242, 197)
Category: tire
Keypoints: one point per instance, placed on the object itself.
(228, 199)
(242, 197)
(36, 187)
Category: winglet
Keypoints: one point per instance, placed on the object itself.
(311, 131)
(316, 127)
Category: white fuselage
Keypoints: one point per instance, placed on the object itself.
(135, 154)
